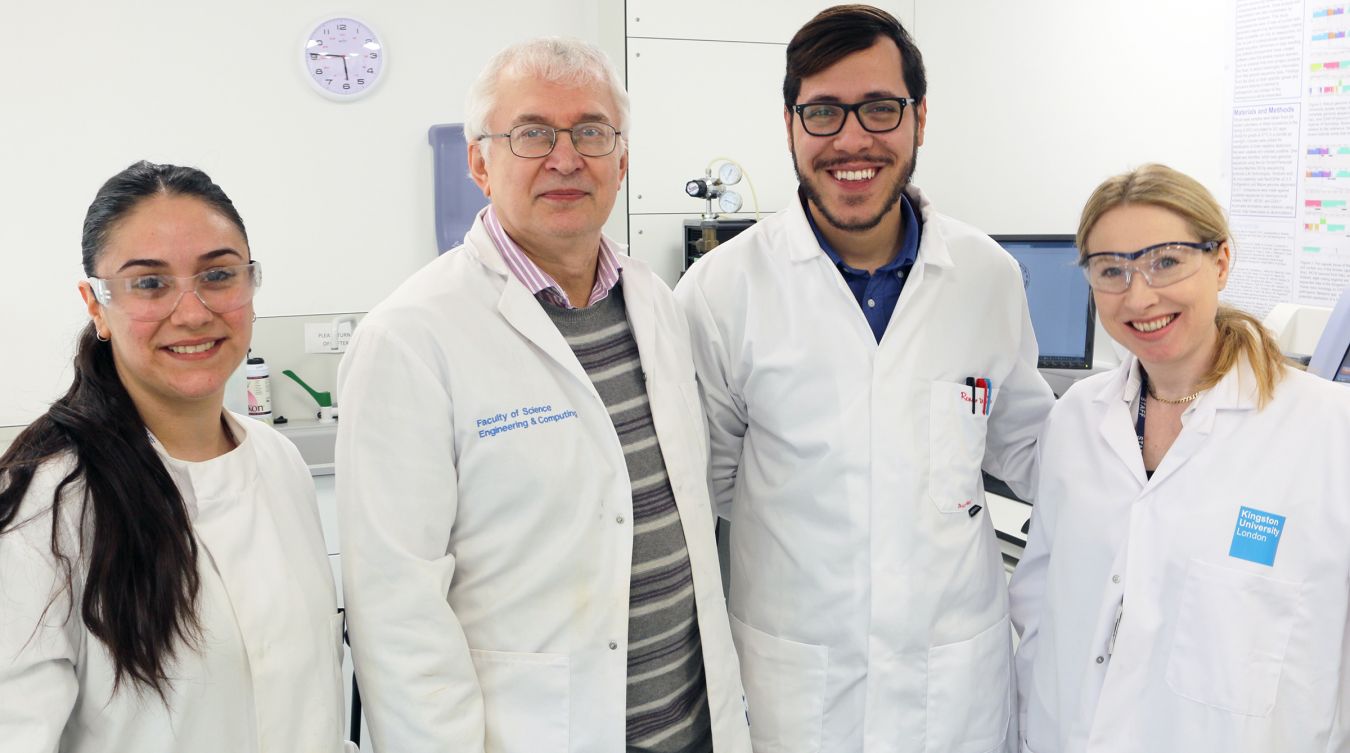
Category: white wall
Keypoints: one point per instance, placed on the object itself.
(1031, 104)
(337, 196)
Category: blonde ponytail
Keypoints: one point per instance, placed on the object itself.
(1241, 334)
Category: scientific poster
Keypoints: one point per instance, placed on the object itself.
(1289, 153)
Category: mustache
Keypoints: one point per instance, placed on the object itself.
(826, 164)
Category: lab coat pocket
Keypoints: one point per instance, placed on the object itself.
(525, 701)
(1232, 630)
(785, 689)
(957, 423)
(969, 692)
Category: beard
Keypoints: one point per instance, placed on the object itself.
(812, 191)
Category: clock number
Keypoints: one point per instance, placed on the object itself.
(342, 27)
(330, 80)
(318, 71)
(374, 55)
(370, 70)
(360, 82)
(313, 56)
(346, 86)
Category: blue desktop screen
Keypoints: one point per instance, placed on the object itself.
(1058, 296)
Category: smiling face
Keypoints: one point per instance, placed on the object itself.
(1170, 327)
(186, 357)
(562, 199)
(853, 179)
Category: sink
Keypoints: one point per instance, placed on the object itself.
(315, 442)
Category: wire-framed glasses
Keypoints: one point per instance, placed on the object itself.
(151, 298)
(875, 115)
(535, 140)
(1160, 265)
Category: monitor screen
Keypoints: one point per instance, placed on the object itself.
(1331, 358)
(1058, 296)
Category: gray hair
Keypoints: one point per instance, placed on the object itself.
(556, 60)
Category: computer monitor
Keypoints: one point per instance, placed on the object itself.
(1062, 313)
(1331, 359)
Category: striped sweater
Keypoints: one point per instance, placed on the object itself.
(667, 696)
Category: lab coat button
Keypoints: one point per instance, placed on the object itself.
(613, 645)
(618, 519)
(1115, 578)
(871, 304)
(1101, 659)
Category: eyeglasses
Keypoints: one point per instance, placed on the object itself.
(1160, 265)
(534, 140)
(151, 298)
(874, 115)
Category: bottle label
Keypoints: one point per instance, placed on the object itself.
(259, 398)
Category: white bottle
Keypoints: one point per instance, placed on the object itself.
(259, 389)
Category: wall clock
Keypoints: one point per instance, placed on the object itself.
(343, 58)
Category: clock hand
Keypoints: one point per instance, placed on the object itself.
(344, 70)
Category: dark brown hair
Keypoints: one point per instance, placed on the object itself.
(138, 555)
(837, 32)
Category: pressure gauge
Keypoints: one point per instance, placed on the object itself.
(729, 173)
(729, 202)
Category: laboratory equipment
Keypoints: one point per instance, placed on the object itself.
(457, 199)
(705, 234)
(1062, 312)
(259, 389)
(1331, 359)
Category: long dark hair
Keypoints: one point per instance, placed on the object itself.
(141, 583)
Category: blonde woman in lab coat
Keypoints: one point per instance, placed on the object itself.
(163, 580)
(1186, 580)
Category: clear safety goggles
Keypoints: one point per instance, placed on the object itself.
(1160, 265)
(151, 298)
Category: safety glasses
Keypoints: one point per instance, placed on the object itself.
(151, 298)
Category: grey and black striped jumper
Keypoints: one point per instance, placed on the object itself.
(667, 695)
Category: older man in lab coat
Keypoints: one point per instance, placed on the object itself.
(862, 357)
(528, 558)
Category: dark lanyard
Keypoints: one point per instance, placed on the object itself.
(1139, 421)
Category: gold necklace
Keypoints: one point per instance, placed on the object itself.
(1170, 401)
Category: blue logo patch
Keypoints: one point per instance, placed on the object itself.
(1256, 536)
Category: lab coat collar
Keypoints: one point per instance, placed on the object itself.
(219, 479)
(932, 246)
(522, 310)
(1237, 390)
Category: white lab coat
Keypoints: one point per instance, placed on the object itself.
(868, 603)
(267, 677)
(486, 574)
(1213, 652)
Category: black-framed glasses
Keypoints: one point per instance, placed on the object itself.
(153, 297)
(1161, 264)
(874, 115)
(535, 140)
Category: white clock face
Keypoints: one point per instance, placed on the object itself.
(343, 58)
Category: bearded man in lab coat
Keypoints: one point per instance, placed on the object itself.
(528, 554)
(862, 357)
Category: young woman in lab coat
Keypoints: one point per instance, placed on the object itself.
(1186, 580)
(163, 580)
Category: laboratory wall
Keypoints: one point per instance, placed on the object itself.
(1030, 104)
(337, 196)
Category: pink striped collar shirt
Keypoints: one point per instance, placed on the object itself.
(539, 282)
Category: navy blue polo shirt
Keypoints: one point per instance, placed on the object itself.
(877, 292)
